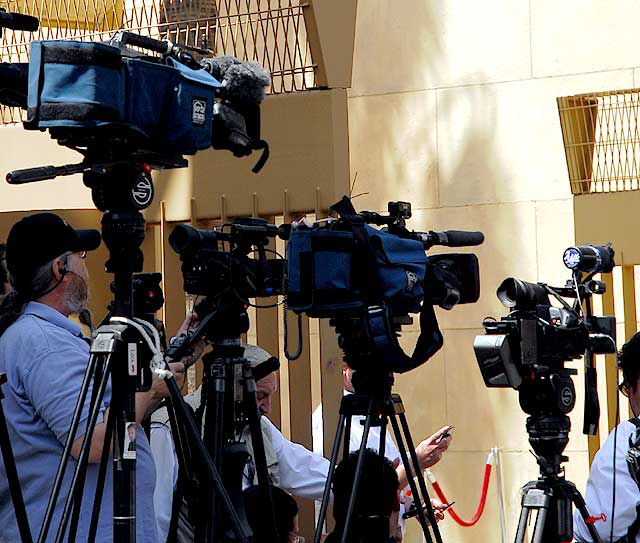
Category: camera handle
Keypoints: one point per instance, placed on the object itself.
(591, 401)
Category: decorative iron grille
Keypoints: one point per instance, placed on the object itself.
(601, 140)
(271, 32)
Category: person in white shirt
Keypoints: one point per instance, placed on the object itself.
(599, 494)
(292, 466)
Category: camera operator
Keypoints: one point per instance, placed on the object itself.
(599, 494)
(291, 466)
(45, 356)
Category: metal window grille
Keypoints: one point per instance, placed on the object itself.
(602, 140)
(271, 32)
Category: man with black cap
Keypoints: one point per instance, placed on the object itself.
(45, 355)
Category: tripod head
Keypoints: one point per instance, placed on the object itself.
(226, 316)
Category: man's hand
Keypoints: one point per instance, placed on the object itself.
(438, 508)
(146, 402)
(430, 450)
(159, 389)
(191, 322)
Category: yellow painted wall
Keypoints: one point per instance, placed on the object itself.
(452, 107)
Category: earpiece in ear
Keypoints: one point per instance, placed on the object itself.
(63, 266)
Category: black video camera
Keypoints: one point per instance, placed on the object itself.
(368, 280)
(118, 107)
(218, 261)
(527, 349)
(536, 334)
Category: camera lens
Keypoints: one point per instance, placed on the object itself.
(514, 292)
(185, 238)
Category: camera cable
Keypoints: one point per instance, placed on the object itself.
(615, 448)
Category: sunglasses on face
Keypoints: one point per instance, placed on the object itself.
(624, 388)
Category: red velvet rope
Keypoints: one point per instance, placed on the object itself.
(483, 497)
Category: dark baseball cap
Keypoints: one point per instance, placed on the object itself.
(37, 239)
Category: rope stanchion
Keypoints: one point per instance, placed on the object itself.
(483, 497)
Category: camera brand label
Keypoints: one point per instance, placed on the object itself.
(199, 111)
(567, 396)
(412, 281)
(142, 192)
(132, 358)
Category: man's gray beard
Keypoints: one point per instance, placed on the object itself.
(78, 296)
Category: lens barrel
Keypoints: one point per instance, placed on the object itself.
(186, 239)
(516, 293)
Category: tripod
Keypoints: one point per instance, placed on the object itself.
(551, 495)
(374, 401)
(121, 351)
(229, 406)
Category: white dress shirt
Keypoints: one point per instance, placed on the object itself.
(599, 492)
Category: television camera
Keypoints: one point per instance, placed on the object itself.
(228, 266)
(128, 112)
(368, 280)
(527, 351)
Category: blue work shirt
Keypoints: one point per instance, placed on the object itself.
(45, 358)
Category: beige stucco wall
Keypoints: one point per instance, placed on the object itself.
(453, 107)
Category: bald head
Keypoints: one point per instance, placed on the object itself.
(268, 385)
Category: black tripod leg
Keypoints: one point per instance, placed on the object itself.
(185, 473)
(77, 504)
(66, 453)
(212, 402)
(358, 474)
(327, 486)
(581, 506)
(346, 449)
(84, 455)
(420, 476)
(383, 435)
(124, 472)
(259, 456)
(412, 469)
(12, 477)
(102, 473)
(210, 470)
